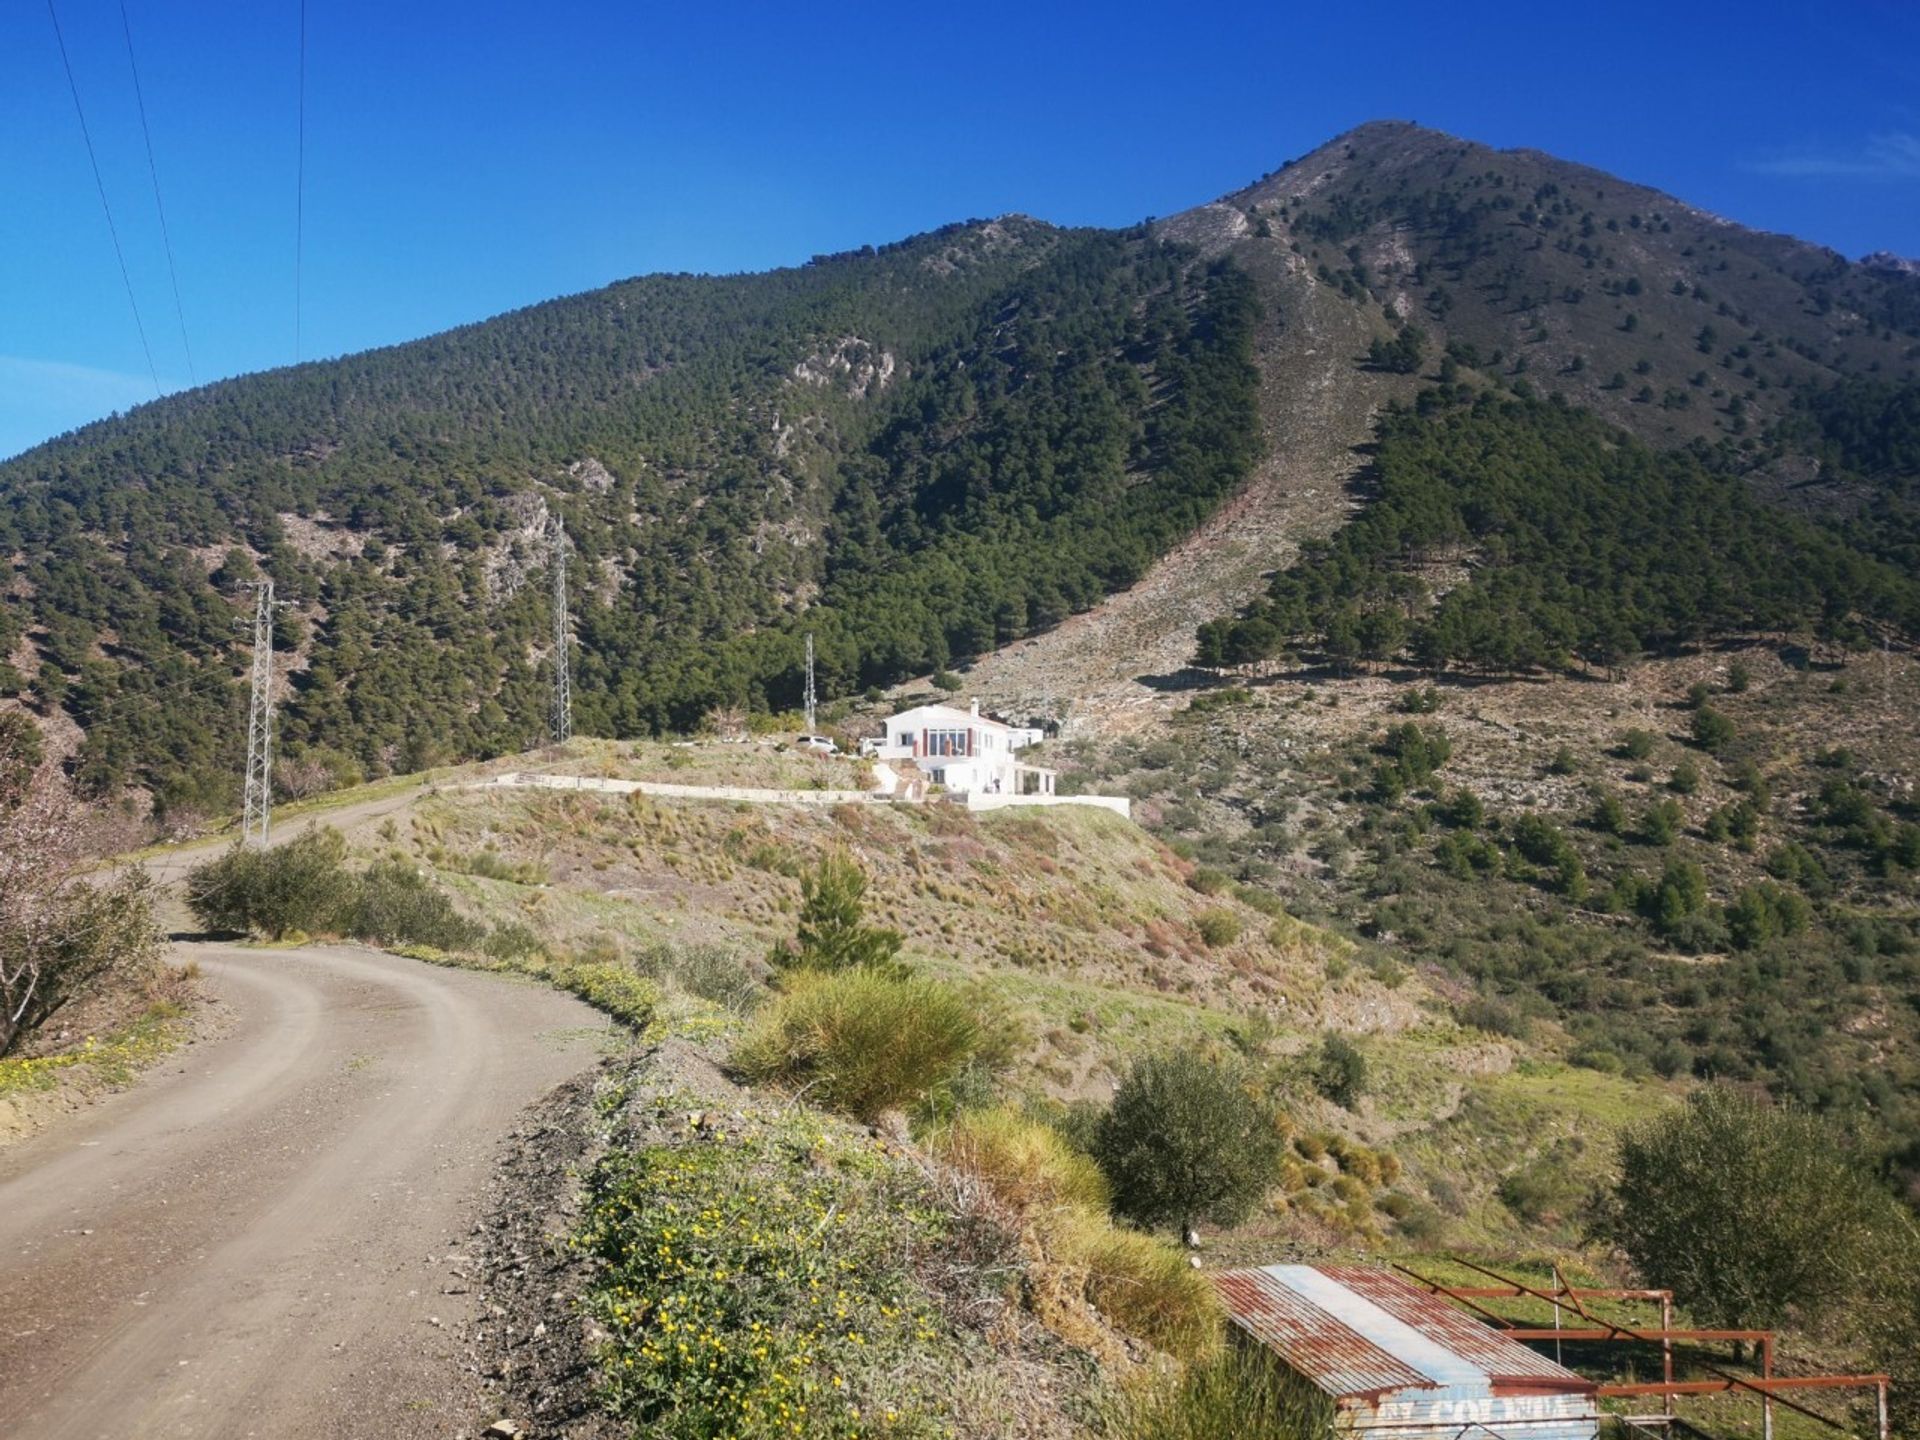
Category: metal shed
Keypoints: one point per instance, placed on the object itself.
(1401, 1364)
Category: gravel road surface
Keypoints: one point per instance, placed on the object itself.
(265, 1236)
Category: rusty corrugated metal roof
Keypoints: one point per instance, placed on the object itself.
(1359, 1332)
(1506, 1362)
(1334, 1356)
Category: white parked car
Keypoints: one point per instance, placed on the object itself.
(819, 744)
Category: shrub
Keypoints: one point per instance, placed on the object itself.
(1207, 881)
(1265, 901)
(512, 942)
(1685, 778)
(1712, 731)
(393, 903)
(712, 972)
(1637, 744)
(1238, 1394)
(1140, 1284)
(1026, 1162)
(1765, 912)
(1219, 927)
(1661, 823)
(1183, 1140)
(946, 680)
(1753, 1214)
(833, 934)
(1563, 762)
(618, 991)
(712, 1263)
(1340, 1071)
(61, 934)
(300, 885)
(861, 1041)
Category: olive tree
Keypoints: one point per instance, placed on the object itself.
(1752, 1213)
(1186, 1139)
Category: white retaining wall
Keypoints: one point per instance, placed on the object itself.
(743, 793)
(1118, 804)
(522, 780)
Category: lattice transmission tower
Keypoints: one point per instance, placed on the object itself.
(812, 699)
(561, 719)
(256, 805)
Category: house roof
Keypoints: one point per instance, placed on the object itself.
(952, 714)
(1360, 1332)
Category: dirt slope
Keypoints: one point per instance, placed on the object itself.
(1119, 664)
(266, 1239)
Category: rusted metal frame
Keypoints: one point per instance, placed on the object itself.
(1591, 1292)
(1768, 1389)
(1547, 1332)
(1537, 1294)
(1727, 1382)
(1764, 1388)
(1482, 1311)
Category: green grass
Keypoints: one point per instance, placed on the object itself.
(112, 1060)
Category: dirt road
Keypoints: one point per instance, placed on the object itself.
(264, 1238)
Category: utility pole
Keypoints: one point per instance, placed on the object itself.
(256, 805)
(810, 694)
(561, 720)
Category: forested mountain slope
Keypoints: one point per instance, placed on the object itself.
(922, 452)
(926, 449)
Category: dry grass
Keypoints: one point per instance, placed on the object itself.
(1025, 1163)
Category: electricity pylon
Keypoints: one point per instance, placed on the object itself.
(256, 805)
(810, 693)
(561, 719)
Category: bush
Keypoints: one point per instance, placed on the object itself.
(618, 991)
(300, 885)
(1712, 731)
(860, 1041)
(1218, 927)
(1027, 1163)
(1340, 1071)
(1239, 1394)
(1765, 912)
(1185, 1140)
(712, 972)
(1636, 744)
(304, 886)
(393, 903)
(1207, 881)
(946, 680)
(61, 934)
(1752, 1214)
(1661, 823)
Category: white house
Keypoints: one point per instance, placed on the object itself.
(965, 751)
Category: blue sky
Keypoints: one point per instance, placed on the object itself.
(466, 159)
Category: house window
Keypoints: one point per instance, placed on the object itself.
(946, 742)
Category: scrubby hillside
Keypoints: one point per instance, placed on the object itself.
(1703, 867)
(926, 452)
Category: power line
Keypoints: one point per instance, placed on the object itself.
(153, 169)
(73, 88)
(299, 185)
